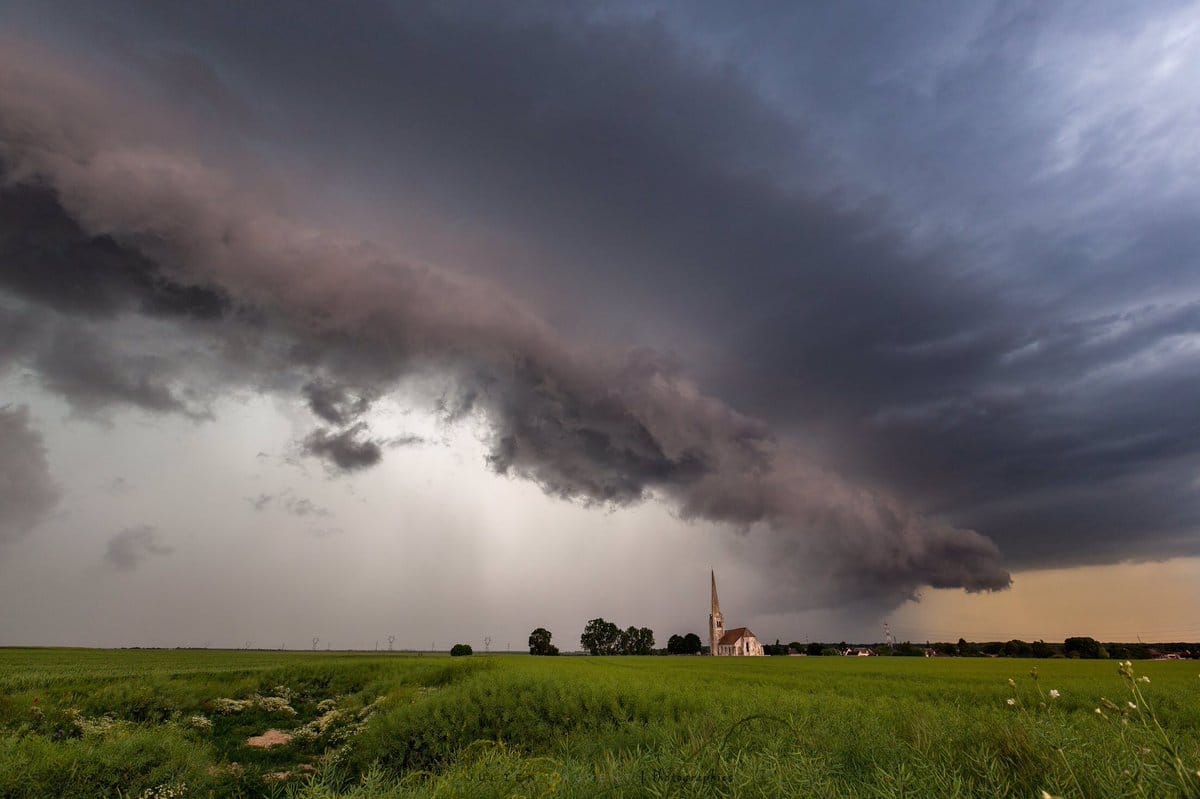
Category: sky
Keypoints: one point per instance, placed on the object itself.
(321, 326)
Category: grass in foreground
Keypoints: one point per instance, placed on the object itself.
(142, 724)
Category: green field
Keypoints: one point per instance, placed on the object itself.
(81, 723)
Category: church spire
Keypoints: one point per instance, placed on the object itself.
(716, 624)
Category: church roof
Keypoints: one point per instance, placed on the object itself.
(736, 634)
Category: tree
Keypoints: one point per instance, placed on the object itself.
(1016, 648)
(461, 650)
(600, 637)
(775, 648)
(635, 641)
(689, 644)
(1084, 647)
(539, 643)
(814, 649)
(1041, 649)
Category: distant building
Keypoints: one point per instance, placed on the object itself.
(738, 642)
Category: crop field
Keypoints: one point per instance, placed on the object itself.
(88, 723)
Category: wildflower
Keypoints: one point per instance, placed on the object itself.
(1012, 682)
(1144, 679)
(35, 700)
(1012, 702)
(1033, 673)
(1054, 694)
(1126, 668)
(1132, 706)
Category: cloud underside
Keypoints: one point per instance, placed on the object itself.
(918, 379)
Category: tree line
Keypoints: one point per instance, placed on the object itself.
(601, 637)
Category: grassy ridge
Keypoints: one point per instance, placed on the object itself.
(366, 726)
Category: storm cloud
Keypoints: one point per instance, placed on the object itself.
(130, 547)
(27, 491)
(658, 262)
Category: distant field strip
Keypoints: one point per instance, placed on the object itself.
(88, 723)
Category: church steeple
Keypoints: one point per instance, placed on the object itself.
(716, 624)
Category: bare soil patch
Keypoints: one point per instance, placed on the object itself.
(270, 739)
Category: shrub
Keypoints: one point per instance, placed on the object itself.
(461, 650)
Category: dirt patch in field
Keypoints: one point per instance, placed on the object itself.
(270, 739)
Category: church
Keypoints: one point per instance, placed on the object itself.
(738, 642)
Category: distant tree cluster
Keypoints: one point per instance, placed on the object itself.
(689, 644)
(461, 650)
(602, 637)
(539, 643)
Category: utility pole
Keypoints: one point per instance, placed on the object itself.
(316, 640)
(391, 640)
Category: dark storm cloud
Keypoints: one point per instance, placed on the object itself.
(27, 492)
(944, 311)
(333, 403)
(67, 282)
(130, 547)
(90, 376)
(588, 426)
(347, 450)
(45, 257)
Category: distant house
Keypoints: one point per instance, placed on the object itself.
(859, 652)
(738, 642)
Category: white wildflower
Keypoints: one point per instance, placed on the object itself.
(226, 706)
(200, 723)
(1132, 706)
(1011, 702)
(274, 704)
(1012, 682)
(271, 704)
(1054, 694)
(1144, 679)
